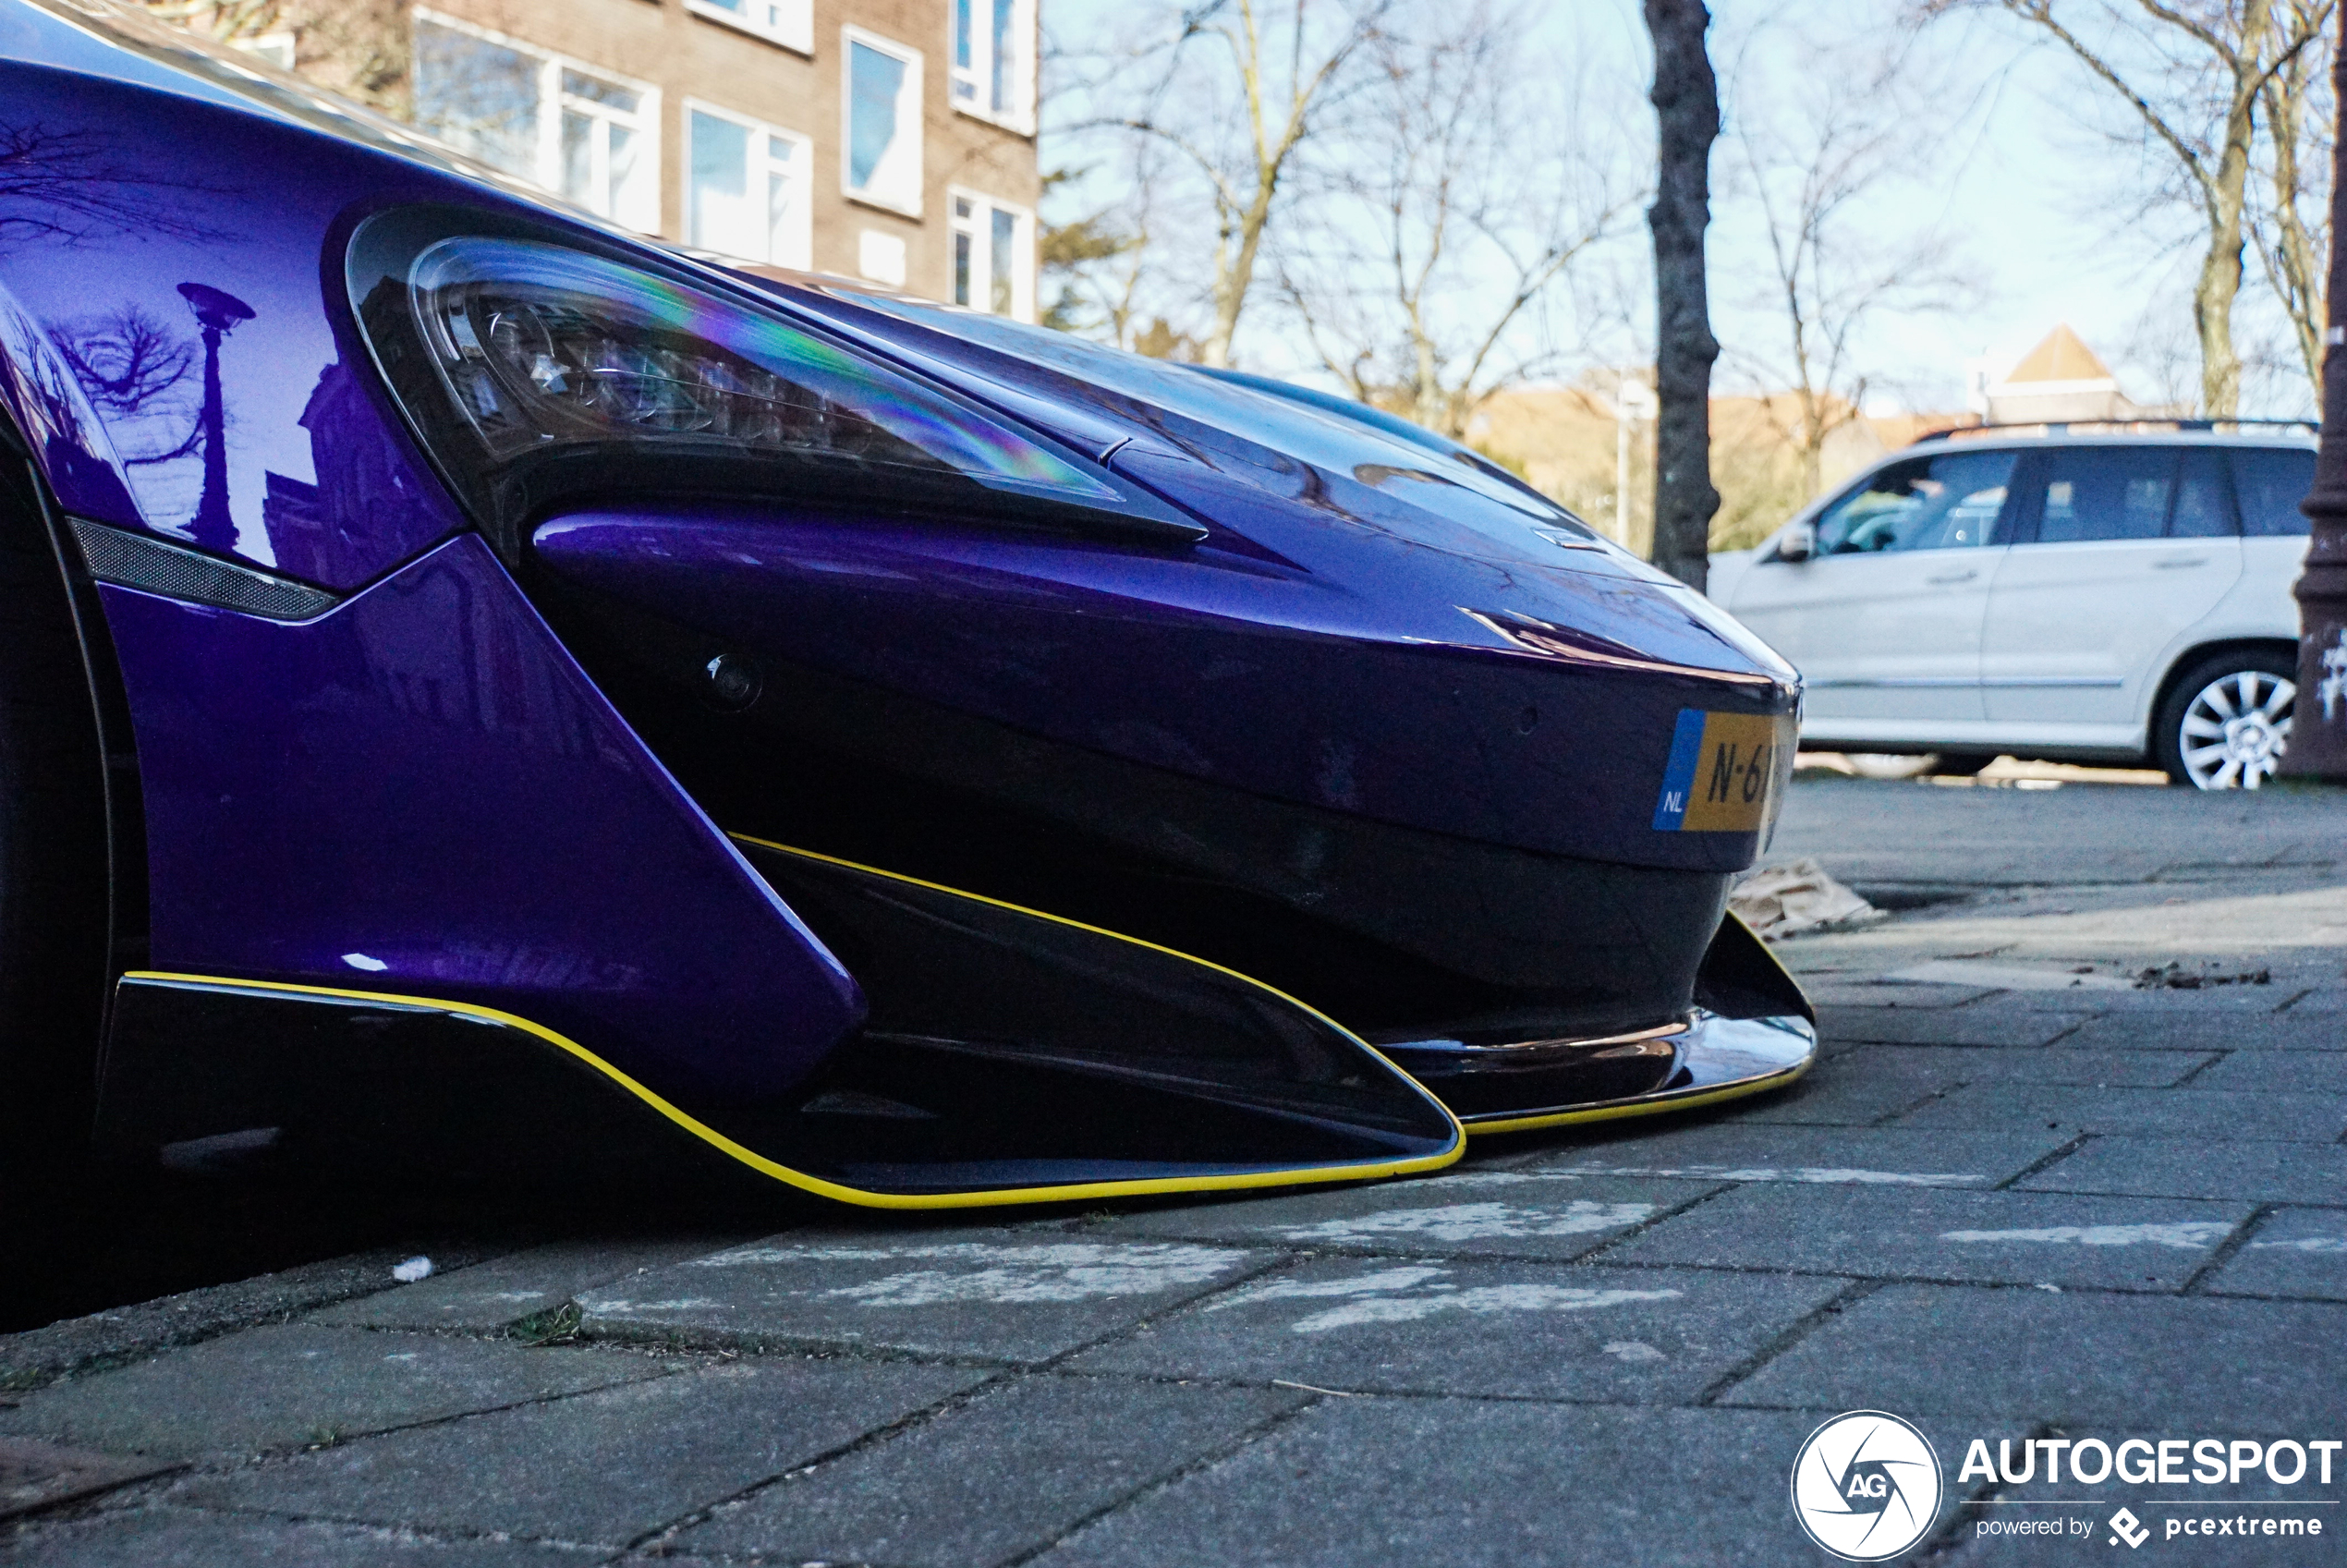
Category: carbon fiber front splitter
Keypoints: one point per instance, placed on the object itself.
(1713, 1059)
(1009, 1057)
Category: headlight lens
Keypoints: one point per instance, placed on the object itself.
(539, 372)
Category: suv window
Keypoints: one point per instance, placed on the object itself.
(1948, 501)
(2272, 481)
(2081, 493)
(2204, 497)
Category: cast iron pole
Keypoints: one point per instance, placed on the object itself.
(2318, 722)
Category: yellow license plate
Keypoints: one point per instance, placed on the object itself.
(1725, 772)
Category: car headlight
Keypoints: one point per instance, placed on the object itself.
(537, 369)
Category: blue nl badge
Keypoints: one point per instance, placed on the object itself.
(1678, 777)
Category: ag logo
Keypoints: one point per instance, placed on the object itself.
(1866, 1486)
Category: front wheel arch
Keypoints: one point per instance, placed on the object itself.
(2192, 658)
(2197, 669)
(59, 900)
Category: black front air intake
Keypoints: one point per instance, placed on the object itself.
(1400, 935)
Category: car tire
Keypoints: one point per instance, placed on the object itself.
(52, 867)
(2226, 723)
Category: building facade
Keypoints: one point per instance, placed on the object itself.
(892, 140)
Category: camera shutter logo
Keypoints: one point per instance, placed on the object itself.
(1866, 1485)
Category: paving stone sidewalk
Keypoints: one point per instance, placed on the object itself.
(2019, 1197)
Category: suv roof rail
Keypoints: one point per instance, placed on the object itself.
(2114, 427)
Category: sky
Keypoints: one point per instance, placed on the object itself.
(2012, 166)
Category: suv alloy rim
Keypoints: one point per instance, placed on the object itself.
(2236, 729)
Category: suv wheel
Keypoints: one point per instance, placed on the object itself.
(2226, 724)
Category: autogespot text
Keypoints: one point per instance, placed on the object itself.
(2180, 1463)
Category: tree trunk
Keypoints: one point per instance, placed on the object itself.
(2226, 191)
(1242, 241)
(2212, 320)
(1686, 106)
(2294, 260)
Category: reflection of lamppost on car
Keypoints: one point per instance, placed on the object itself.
(218, 314)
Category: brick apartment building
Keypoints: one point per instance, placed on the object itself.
(888, 139)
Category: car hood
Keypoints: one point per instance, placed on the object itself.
(1303, 489)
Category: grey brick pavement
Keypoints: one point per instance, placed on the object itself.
(2003, 1206)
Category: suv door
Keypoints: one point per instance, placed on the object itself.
(2116, 549)
(1884, 620)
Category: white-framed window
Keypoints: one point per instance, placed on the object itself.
(790, 23)
(748, 187)
(992, 46)
(566, 126)
(993, 255)
(880, 257)
(879, 121)
(603, 146)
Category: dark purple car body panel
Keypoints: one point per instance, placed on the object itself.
(421, 791)
(363, 830)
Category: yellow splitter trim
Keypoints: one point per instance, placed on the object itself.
(1685, 1100)
(1141, 1187)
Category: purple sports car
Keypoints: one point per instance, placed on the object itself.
(478, 679)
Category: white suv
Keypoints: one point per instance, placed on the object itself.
(2087, 598)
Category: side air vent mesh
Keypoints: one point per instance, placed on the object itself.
(136, 561)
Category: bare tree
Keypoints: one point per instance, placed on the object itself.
(1237, 94)
(1814, 169)
(2195, 73)
(1686, 106)
(1102, 261)
(1093, 261)
(362, 48)
(1421, 277)
(2292, 228)
(231, 21)
(77, 187)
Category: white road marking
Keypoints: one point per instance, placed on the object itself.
(2306, 1244)
(1358, 1284)
(1474, 1222)
(683, 1303)
(1848, 1175)
(2003, 976)
(1478, 1299)
(2195, 1233)
(1405, 1296)
(1066, 1271)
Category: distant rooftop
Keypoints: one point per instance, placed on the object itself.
(2063, 357)
(2060, 381)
